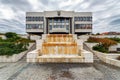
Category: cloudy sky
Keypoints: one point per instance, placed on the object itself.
(106, 13)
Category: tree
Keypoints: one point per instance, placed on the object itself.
(97, 33)
(11, 36)
(24, 42)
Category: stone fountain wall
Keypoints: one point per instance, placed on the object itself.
(60, 49)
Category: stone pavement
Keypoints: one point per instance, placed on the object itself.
(22, 70)
(36, 71)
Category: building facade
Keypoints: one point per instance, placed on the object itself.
(58, 22)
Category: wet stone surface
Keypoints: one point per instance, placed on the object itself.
(36, 71)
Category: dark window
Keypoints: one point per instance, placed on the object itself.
(118, 49)
(50, 27)
(50, 20)
(67, 20)
(34, 18)
(76, 18)
(84, 18)
(67, 27)
(34, 26)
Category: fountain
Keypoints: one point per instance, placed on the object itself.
(59, 44)
(59, 48)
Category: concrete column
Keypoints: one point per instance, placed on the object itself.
(52, 23)
(73, 31)
(48, 26)
(65, 23)
(44, 25)
(69, 26)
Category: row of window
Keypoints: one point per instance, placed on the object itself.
(58, 26)
(83, 26)
(58, 20)
(83, 18)
(34, 26)
(77, 26)
(34, 18)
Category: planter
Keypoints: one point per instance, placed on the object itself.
(105, 57)
(12, 58)
(15, 57)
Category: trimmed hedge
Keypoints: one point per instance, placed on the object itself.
(9, 48)
(100, 48)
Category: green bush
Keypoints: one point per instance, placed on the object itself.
(9, 48)
(115, 39)
(13, 44)
(7, 44)
(100, 48)
(6, 51)
(9, 51)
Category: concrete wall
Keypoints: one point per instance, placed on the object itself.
(35, 37)
(85, 37)
(23, 36)
(86, 57)
(103, 36)
(34, 30)
(70, 14)
(14, 57)
(83, 14)
(114, 48)
(3, 36)
(105, 57)
(83, 30)
(62, 13)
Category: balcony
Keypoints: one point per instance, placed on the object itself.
(34, 30)
(59, 30)
(83, 30)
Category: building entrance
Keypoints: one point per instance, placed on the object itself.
(58, 25)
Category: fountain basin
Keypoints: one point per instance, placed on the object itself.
(59, 48)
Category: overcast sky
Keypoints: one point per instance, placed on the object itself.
(106, 13)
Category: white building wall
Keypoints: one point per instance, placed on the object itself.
(35, 37)
(70, 14)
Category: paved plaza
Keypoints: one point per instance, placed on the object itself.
(22, 70)
(36, 71)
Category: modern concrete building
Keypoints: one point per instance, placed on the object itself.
(58, 22)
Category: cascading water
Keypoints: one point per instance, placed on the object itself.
(59, 44)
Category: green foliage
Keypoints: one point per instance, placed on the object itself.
(100, 48)
(13, 44)
(115, 39)
(6, 51)
(10, 48)
(97, 33)
(0, 39)
(11, 36)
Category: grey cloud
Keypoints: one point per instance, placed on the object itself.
(12, 25)
(106, 13)
(17, 5)
(45, 2)
(115, 22)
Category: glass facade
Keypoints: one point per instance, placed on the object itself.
(34, 18)
(83, 18)
(58, 23)
(34, 26)
(53, 22)
(83, 26)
